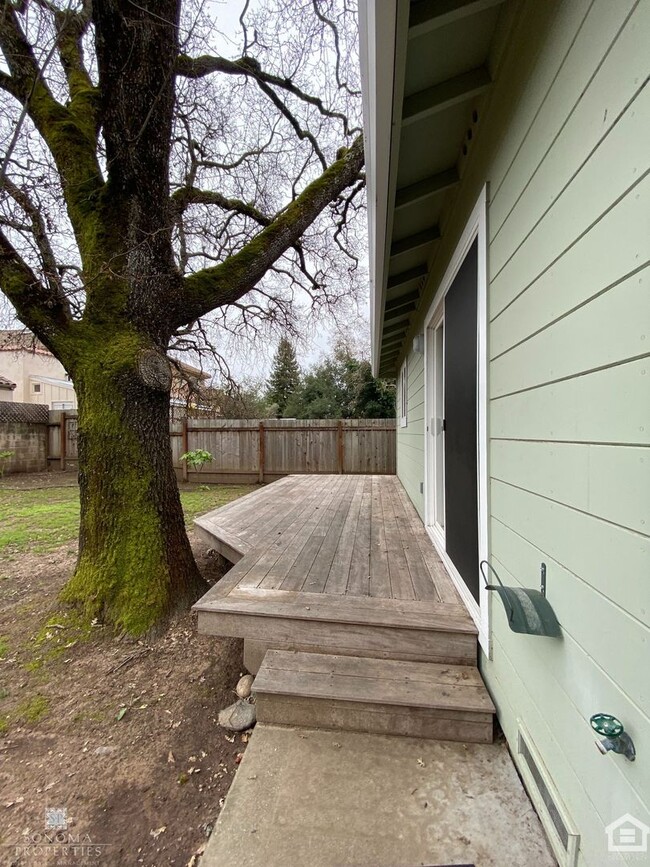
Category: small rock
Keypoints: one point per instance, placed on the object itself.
(244, 686)
(239, 716)
(105, 751)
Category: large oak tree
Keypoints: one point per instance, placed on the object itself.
(110, 165)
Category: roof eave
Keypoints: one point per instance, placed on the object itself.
(378, 38)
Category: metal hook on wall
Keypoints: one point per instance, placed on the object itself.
(528, 611)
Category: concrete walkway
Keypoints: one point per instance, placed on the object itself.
(304, 798)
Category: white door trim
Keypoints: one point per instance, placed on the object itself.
(476, 228)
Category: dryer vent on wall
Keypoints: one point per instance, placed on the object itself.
(563, 837)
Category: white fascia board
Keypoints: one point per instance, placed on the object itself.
(50, 380)
(377, 41)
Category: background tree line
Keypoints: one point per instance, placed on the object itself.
(340, 386)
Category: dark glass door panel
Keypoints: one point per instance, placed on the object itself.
(461, 469)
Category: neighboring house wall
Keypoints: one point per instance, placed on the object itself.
(564, 150)
(22, 364)
(56, 393)
(41, 378)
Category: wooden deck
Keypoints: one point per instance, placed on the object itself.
(338, 564)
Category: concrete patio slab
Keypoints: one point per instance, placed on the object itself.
(342, 799)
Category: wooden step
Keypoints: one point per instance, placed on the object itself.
(345, 625)
(383, 696)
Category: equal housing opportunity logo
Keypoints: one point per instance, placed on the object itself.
(627, 834)
(58, 842)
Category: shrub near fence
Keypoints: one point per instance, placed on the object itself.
(246, 451)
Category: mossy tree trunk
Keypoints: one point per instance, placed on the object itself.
(135, 564)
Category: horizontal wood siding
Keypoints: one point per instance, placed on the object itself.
(410, 439)
(564, 151)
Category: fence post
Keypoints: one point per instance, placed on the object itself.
(47, 444)
(185, 446)
(261, 455)
(341, 447)
(63, 439)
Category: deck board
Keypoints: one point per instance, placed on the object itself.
(337, 579)
(332, 549)
(401, 580)
(359, 574)
(321, 567)
(289, 536)
(379, 575)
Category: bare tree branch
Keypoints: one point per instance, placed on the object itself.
(69, 131)
(207, 64)
(229, 281)
(37, 303)
(39, 232)
(337, 45)
(185, 196)
(293, 120)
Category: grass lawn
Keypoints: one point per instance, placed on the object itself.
(43, 519)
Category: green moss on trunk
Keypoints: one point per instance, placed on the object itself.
(135, 563)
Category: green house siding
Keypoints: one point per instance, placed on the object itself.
(410, 439)
(564, 151)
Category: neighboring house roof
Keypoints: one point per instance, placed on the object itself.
(7, 383)
(188, 370)
(17, 340)
(426, 69)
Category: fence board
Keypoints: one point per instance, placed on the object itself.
(250, 450)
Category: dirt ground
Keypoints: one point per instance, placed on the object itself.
(32, 481)
(114, 737)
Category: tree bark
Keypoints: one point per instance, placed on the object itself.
(135, 563)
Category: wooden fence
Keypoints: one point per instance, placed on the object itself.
(250, 451)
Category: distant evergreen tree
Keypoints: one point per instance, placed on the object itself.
(342, 386)
(285, 376)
